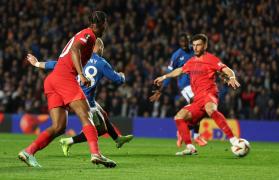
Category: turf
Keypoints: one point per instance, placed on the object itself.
(140, 159)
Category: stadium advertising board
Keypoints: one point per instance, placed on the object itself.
(146, 127)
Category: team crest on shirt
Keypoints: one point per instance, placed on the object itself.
(181, 58)
(86, 37)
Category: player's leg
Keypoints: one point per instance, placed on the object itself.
(192, 114)
(182, 126)
(66, 143)
(119, 140)
(181, 120)
(189, 95)
(220, 120)
(59, 119)
(81, 108)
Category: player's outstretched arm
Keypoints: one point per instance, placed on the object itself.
(34, 61)
(232, 79)
(172, 74)
(49, 65)
(110, 73)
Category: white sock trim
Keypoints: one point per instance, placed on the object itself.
(190, 146)
(70, 140)
(233, 140)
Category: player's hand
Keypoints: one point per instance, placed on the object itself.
(158, 81)
(84, 80)
(122, 75)
(32, 59)
(156, 96)
(233, 83)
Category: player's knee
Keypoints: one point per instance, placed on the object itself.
(183, 116)
(209, 110)
(59, 129)
(82, 113)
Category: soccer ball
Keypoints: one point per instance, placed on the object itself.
(241, 148)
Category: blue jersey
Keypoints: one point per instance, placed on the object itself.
(178, 59)
(95, 69)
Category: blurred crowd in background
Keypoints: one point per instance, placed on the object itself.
(139, 41)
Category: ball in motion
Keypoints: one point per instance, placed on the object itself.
(241, 148)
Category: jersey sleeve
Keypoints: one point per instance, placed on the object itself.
(50, 64)
(172, 65)
(217, 65)
(112, 75)
(85, 37)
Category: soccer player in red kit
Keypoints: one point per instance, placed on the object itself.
(62, 91)
(202, 68)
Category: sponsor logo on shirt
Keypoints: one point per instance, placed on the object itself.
(197, 72)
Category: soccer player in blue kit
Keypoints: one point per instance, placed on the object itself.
(178, 59)
(95, 69)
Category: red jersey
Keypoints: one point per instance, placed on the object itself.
(65, 65)
(202, 74)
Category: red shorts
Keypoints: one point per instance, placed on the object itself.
(197, 108)
(61, 90)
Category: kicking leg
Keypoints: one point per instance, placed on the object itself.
(82, 110)
(119, 140)
(220, 120)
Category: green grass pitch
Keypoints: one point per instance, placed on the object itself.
(142, 158)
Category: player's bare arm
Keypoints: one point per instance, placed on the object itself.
(76, 58)
(172, 74)
(34, 61)
(231, 78)
(224, 77)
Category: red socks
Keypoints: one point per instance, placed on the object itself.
(92, 138)
(220, 120)
(182, 127)
(41, 142)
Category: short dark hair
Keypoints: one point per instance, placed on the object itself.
(98, 17)
(202, 37)
(184, 35)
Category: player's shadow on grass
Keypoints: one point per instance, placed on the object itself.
(23, 169)
(140, 155)
(109, 155)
